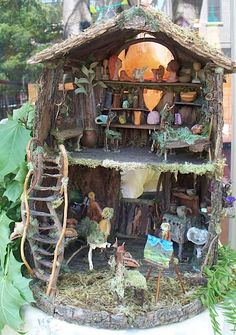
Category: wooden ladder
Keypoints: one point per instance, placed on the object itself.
(44, 213)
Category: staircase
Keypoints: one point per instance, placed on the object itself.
(44, 213)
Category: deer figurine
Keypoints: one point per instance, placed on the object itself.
(114, 137)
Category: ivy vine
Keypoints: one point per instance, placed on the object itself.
(15, 132)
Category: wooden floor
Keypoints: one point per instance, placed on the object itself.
(137, 155)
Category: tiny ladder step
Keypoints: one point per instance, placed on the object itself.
(44, 252)
(46, 199)
(43, 276)
(44, 239)
(36, 213)
(58, 175)
(47, 188)
(45, 263)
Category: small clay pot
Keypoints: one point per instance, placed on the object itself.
(89, 139)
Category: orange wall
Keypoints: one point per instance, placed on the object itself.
(227, 110)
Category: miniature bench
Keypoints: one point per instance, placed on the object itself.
(198, 145)
(62, 135)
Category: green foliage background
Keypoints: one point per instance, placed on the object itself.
(14, 288)
(26, 27)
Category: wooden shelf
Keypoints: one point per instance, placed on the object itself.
(150, 84)
(133, 126)
(142, 126)
(126, 109)
(187, 104)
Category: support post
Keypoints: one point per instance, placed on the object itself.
(232, 225)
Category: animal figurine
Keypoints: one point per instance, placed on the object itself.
(114, 137)
(158, 74)
(138, 74)
(94, 211)
(124, 257)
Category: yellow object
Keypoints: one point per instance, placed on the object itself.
(122, 119)
(92, 9)
(137, 118)
(105, 226)
(151, 98)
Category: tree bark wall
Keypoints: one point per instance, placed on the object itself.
(49, 96)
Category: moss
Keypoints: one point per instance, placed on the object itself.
(130, 15)
(214, 169)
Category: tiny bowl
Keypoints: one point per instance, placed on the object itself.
(188, 96)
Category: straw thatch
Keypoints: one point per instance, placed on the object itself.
(104, 39)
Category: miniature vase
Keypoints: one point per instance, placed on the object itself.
(89, 139)
(153, 117)
(137, 118)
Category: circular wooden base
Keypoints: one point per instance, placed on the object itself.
(102, 319)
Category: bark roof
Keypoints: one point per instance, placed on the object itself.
(106, 38)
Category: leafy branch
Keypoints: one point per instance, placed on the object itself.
(87, 82)
(221, 289)
(85, 85)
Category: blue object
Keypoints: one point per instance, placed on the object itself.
(101, 119)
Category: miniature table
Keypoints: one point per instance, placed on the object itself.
(62, 135)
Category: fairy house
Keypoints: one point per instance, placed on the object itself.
(165, 166)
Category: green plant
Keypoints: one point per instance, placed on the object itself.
(221, 289)
(14, 288)
(85, 85)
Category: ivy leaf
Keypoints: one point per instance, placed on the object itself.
(22, 113)
(13, 191)
(4, 233)
(14, 138)
(10, 304)
(30, 120)
(21, 173)
(14, 293)
(20, 282)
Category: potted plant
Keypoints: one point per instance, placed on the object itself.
(85, 85)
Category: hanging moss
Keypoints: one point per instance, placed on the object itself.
(214, 169)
